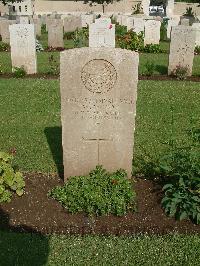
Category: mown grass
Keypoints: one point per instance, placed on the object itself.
(30, 119)
(26, 249)
(160, 61)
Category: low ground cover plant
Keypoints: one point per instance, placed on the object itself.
(152, 48)
(4, 47)
(98, 193)
(180, 72)
(19, 72)
(11, 180)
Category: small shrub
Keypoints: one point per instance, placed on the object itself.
(19, 72)
(10, 179)
(98, 193)
(150, 67)
(189, 12)
(80, 37)
(197, 50)
(43, 29)
(53, 66)
(69, 35)
(4, 47)
(180, 72)
(132, 41)
(152, 48)
(120, 31)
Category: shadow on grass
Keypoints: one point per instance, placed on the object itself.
(162, 69)
(17, 247)
(54, 139)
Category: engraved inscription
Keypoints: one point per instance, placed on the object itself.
(99, 76)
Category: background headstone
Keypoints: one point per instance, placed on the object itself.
(101, 34)
(38, 25)
(72, 23)
(98, 107)
(181, 48)
(55, 33)
(5, 34)
(23, 50)
(172, 22)
(138, 25)
(196, 27)
(24, 20)
(86, 20)
(152, 32)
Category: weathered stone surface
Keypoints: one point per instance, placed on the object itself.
(181, 48)
(152, 32)
(38, 24)
(138, 25)
(196, 27)
(55, 33)
(145, 6)
(185, 21)
(98, 102)
(103, 21)
(4, 26)
(102, 34)
(71, 23)
(170, 8)
(23, 50)
(172, 22)
(87, 19)
(24, 20)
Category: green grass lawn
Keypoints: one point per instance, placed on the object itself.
(160, 61)
(25, 249)
(30, 118)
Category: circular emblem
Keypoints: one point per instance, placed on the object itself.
(99, 76)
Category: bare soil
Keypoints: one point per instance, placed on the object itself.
(35, 212)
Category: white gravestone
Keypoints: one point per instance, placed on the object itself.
(172, 22)
(181, 48)
(55, 33)
(23, 47)
(38, 25)
(101, 35)
(98, 107)
(5, 34)
(24, 20)
(170, 8)
(138, 25)
(86, 20)
(152, 32)
(129, 23)
(196, 26)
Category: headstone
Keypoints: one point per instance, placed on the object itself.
(185, 21)
(129, 23)
(102, 35)
(5, 34)
(72, 23)
(98, 109)
(196, 26)
(172, 22)
(105, 21)
(119, 19)
(170, 8)
(145, 6)
(181, 48)
(138, 25)
(55, 33)
(23, 48)
(87, 19)
(37, 23)
(152, 32)
(24, 20)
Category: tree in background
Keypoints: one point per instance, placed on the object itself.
(100, 2)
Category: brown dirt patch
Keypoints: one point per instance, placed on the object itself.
(35, 212)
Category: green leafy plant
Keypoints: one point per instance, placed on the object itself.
(10, 179)
(189, 12)
(150, 67)
(43, 29)
(132, 41)
(97, 193)
(182, 191)
(180, 72)
(19, 72)
(152, 49)
(120, 31)
(197, 50)
(137, 9)
(80, 37)
(53, 67)
(4, 47)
